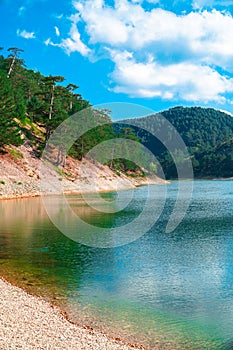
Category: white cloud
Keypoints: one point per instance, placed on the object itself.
(185, 81)
(73, 43)
(49, 42)
(207, 35)
(226, 112)
(102, 23)
(57, 31)
(157, 52)
(26, 35)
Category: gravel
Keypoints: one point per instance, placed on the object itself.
(28, 322)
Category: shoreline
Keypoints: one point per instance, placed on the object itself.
(29, 322)
(23, 178)
(138, 182)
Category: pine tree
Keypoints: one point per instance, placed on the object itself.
(14, 52)
(9, 129)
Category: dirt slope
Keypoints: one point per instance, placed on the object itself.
(20, 175)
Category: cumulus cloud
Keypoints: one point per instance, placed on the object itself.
(26, 35)
(206, 35)
(157, 52)
(184, 80)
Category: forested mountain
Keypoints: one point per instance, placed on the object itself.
(33, 105)
(207, 133)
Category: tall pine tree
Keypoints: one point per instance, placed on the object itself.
(9, 129)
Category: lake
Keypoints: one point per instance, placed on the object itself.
(171, 290)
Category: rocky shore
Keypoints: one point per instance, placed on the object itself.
(28, 323)
(21, 175)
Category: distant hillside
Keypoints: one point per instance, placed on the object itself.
(207, 133)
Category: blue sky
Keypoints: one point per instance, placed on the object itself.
(154, 53)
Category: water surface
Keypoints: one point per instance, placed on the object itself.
(173, 290)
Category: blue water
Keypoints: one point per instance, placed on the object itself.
(163, 290)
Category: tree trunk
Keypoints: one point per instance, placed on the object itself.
(61, 157)
(48, 132)
(51, 103)
(11, 67)
(111, 164)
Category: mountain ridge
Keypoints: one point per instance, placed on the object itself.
(206, 132)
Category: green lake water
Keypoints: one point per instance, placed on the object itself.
(166, 290)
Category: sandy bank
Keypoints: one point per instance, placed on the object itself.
(28, 322)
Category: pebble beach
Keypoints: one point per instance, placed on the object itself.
(28, 322)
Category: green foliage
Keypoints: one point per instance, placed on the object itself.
(16, 153)
(33, 105)
(9, 129)
(29, 97)
(134, 156)
(102, 132)
(207, 133)
(32, 99)
(153, 167)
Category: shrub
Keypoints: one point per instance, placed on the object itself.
(16, 153)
